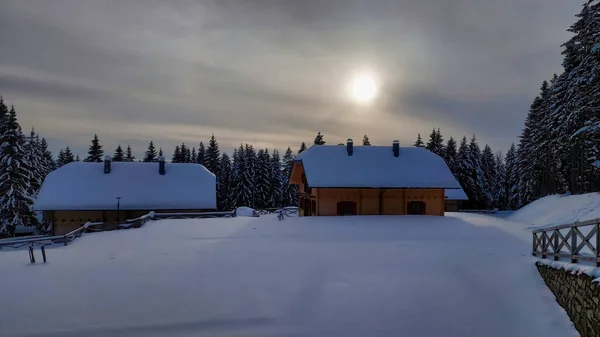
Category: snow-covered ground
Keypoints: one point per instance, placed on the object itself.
(460, 275)
(557, 210)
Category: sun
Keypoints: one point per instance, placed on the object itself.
(363, 89)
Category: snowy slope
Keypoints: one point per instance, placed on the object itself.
(353, 276)
(556, 210)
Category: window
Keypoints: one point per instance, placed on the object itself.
(416, 207)
(346, 208)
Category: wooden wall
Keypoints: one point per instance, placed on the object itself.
(394, 201)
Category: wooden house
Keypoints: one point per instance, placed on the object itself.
(371, 180)
(112, 192)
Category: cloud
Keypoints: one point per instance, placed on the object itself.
(273, 72)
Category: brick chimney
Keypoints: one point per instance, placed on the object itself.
(107, 164)
(350, 146)
(161, 165)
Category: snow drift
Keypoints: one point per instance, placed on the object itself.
(559, 209)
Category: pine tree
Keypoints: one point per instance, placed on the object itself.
(150, 155)
(243, 176)
(302, 148)
(225, 183)
(129, 157)
(435, 143)
(201, 154)
(194, 158)
(500, 196)
(68, 156)
(512, 178)
(118, 155)
(160, 153)
(48, 158)
(60, 161)
(488, 168)
(15, 176)
(464, 168)
(477, 173)
(366, 141)
(276, 180)
(34, 158)
(176, 155)
(450, 153)
(77, 158)
(419, 142)
(262, 178)
(188, 154)
(212, 155)
(289, 192)
(319, 139)
(95, 153)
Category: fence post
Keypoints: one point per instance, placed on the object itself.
(544, 244)
(31, 256)
(44, 253)
(556, 251)
(534, 250)
(573, 245)
(597, 244)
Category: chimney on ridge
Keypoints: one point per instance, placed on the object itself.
(396, 148)
(349, 146)
(106, 164)
(161, 165)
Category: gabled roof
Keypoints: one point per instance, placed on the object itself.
(458, 194)
(330, 166)
(84, 186)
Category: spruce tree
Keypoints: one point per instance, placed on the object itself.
(366, 141)
(302, 148)
(194, 158)
(150, 155)
(201, 159)
(464, 168)
(512, 178)
(476, 171)
(500, 199)
(34, 157)
(276, 180)
(225, 183)
(95, 153)
(48, 158)
(15, 177)
(435, 143)
(450, 153)
(419, 141)
(129, 157)
(60, 161)
(160, 152)
(212, 155)
(176, 155)
(319, 139)
(488, 168)
(262, 178)
(118, 155)
(77, 158)
(68, 156)
(289, 192)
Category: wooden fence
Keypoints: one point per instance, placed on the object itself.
(47, 240)
(576, 241)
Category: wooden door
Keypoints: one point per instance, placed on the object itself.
(346, 208)
(416, 208)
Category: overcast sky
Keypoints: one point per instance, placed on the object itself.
(273, 73)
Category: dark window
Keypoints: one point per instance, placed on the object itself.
(313, 206)
(346, 208)
(416, 207)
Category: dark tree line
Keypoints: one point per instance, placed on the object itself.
(558, 150)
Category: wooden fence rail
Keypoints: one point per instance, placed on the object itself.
(569, 241)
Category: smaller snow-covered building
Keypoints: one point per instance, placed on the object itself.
(112, 192)
(371, 180)
(454, 198)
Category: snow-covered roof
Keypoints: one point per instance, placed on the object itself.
(456, 194)
(85, 186)
(330, 166)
